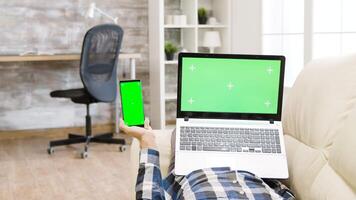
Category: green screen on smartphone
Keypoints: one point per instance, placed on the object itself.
(132, 102)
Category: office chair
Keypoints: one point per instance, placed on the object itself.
(99, 57)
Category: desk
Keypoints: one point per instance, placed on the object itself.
(75, 57)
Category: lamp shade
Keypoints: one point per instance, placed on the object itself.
(90, 11)
(212, 39)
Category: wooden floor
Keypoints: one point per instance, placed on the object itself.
(28, 172)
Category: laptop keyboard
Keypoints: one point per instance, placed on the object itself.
(252, 140)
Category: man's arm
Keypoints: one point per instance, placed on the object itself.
(149, 178)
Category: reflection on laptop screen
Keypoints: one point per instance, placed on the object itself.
(230, 85)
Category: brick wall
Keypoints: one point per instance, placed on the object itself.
(58, 27)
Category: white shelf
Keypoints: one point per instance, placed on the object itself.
(190, 38)
(196, 26)
(212, 26)
(171, 96)
(171, 62)
(178, 26)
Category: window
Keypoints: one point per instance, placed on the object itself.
(331, 33)
(283, 34)
(334, 27)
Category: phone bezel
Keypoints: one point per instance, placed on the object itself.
(225, 115)
(143, 106)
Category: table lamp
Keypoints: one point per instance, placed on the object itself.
(91, 11)
(212, 40)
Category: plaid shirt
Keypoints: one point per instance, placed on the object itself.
(213, 183)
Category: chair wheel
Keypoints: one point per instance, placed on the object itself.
(84, 154)
(122, 148)
(50, 150)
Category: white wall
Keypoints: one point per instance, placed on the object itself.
(246, 26)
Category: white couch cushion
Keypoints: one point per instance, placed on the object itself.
(342, 156)
(304, 163)
(314, 119)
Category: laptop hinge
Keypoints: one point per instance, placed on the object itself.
(186, 118)
(271, 121)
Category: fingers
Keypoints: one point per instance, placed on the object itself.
(147, 124)
(126, 129)
(133, 131)
(123, 126)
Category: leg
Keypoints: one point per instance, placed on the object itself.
(104, 135)
(87, 142)
(108, 140)
(71, 135)
(173, 150)
(117, 106)
(67, 141)
(133, 68)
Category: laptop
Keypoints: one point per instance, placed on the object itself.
(229, 114)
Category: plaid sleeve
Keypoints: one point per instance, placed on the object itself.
(149, 179)
(280, 189)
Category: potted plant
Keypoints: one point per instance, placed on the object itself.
(170, 49)
(202, 16)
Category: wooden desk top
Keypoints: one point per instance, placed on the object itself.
(56, 57)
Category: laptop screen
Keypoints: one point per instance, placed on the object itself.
(248, 86)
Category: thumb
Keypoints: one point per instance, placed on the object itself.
(147, 124)
(122, 126)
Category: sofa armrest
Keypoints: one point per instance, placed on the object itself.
(163, 141)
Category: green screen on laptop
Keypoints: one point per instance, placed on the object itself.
(230, 85)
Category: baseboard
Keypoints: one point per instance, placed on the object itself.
(60, 132)
(54, 132)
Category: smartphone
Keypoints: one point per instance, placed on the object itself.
(132, 102)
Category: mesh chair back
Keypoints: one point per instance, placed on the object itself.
(100, 51)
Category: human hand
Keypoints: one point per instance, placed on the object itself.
(144, 135)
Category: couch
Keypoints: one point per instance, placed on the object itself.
(319, 122)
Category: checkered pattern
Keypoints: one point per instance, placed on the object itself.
(213, 183)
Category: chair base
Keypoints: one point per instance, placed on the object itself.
(106, 138)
